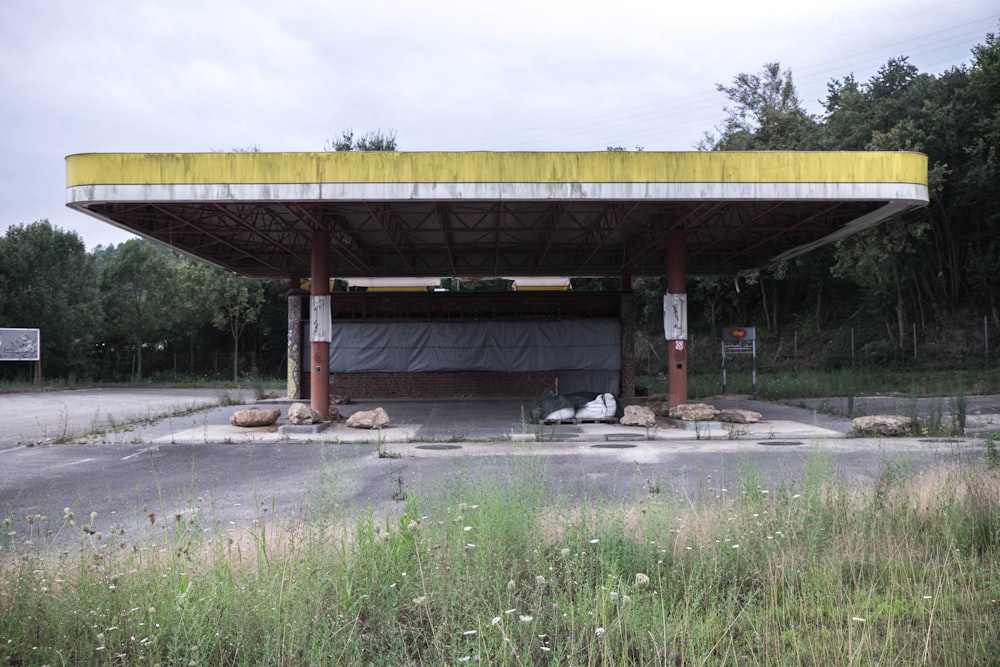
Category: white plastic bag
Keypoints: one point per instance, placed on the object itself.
(559, 415)
(602, 407)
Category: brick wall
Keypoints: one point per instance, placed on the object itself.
(443, 384)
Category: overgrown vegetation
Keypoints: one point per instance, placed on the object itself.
(903, 571)
(804, 383)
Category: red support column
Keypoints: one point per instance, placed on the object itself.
(319, 325)
(677, 339)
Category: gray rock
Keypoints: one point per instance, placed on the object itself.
(376, 418)
(637, 415)
(693, 412)
(884, 425)
(738, 416)
(300, 413)
(250, 417)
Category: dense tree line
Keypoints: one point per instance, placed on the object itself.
(135, 311)
(935, 271)
(138, 310)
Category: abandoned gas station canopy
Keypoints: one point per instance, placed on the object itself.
(484, 214)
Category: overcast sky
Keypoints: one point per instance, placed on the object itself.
(180, 76)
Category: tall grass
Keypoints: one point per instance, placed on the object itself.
(902, 571)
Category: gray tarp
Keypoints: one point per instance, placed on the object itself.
(415, 347)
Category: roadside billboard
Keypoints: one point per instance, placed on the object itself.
(20, 344)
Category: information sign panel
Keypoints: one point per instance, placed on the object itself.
(20, 345)
(740, 341)
(739, 334)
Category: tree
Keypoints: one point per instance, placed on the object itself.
(918, 263)
(238, 302)
(48, 282)
(139, 295)
(374, 140)
(766, 114)
(982, 175)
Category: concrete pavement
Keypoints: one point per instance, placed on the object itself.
(193, 416)
(61, 416)
(506, 421)
(194, 464)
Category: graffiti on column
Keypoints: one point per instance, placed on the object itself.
(294, 347)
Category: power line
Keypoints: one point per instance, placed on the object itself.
(686, 115)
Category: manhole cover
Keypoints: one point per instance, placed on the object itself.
(940, 441)
(439, 446)
(610, 445)
(780, 443)
(617, 437)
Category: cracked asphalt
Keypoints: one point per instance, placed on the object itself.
(127, 454)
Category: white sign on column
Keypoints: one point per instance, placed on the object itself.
(675, 316)
(319, 322)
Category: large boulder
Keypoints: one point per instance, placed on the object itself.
(884, 425)
(693, 412)
(637, 415)
(376, 418)
(300, 414)
(738, 416)
(250, 417)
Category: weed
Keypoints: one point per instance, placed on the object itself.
(227, 398)
(497, 570)
(933, 424)
(261, 392)
(398, 492)
(992, 457)
(958, 410)
(380, 449)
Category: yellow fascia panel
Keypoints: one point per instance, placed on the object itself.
(495, 167)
